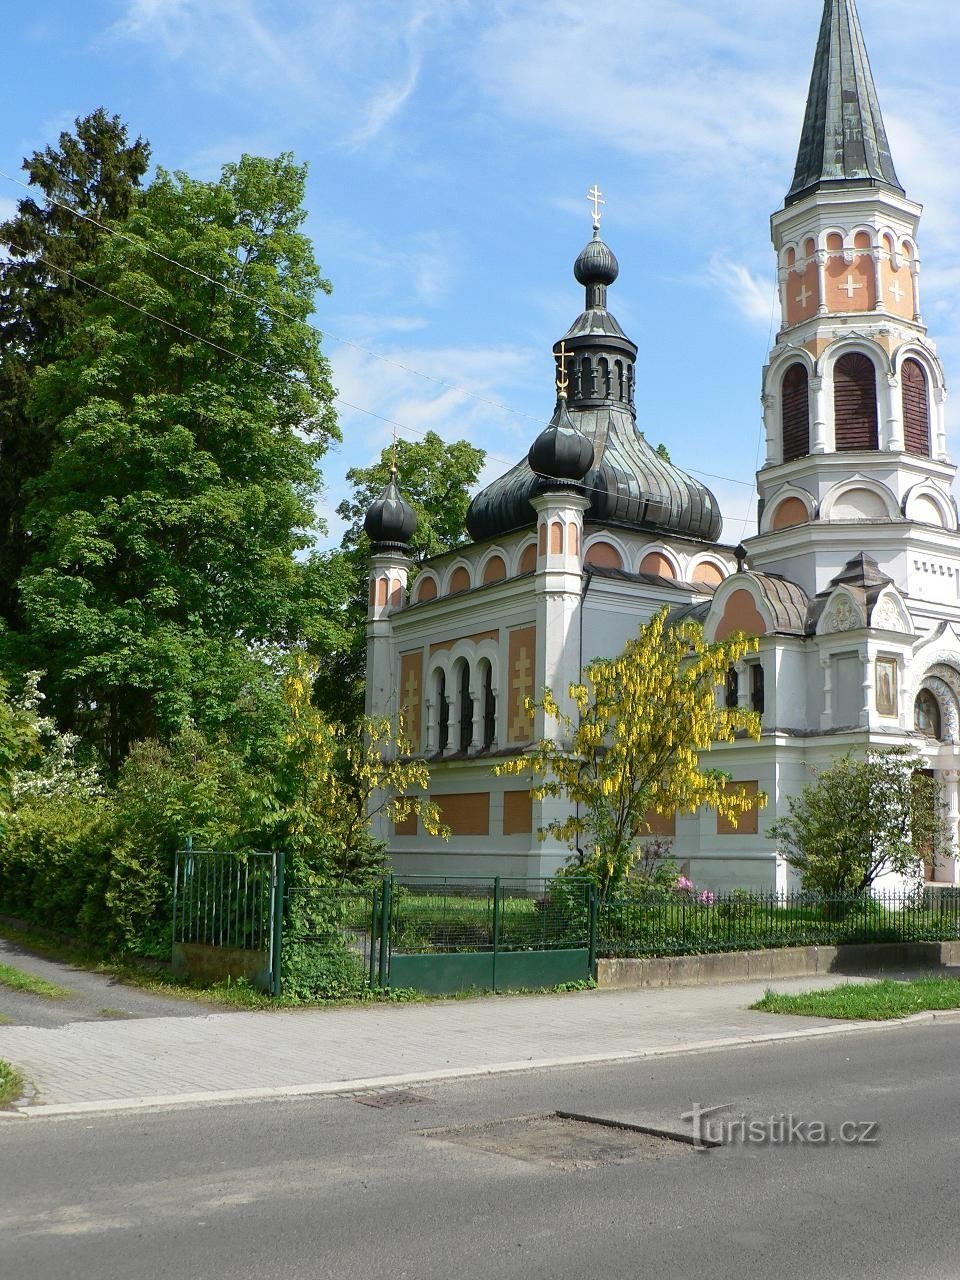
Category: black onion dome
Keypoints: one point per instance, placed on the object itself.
(390, 522)
(597, 263)
(561, 453)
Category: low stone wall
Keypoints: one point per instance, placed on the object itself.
(782, 962)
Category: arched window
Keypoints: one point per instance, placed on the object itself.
(795, 410)
(855, 402)
(732, 691)
(588, 382)
(443, 714)
(466, 708)
(603, 377)
(489, 707)
(916, 408)
(926, 715)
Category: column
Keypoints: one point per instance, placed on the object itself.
(946, 866)
(818, 394)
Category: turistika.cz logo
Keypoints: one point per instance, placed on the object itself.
(710, 1129)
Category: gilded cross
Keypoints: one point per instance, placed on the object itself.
(849, 286)
(595, 196)
(563, 380)
(519, 728)
(804, 296)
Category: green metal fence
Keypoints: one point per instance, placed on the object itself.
(445, 934)
(672, 923)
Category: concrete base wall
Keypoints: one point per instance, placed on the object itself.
(214, 964)
(784, 962)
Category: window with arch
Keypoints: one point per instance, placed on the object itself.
(465, 703)
(855, 402)
(489, 705)
(916, 408)
(443, 714)
(795, 412)
(926, 715)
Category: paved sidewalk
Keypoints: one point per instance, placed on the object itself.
(157, 1061)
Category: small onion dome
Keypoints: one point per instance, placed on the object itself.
(561, 453)
(596, 264)
(390, 521)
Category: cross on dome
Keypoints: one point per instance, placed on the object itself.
(595, 196)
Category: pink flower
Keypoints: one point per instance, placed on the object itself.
(683, 885)
(706, 899)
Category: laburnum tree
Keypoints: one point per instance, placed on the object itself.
(189, 413)
(92, 176)
(861, 819)
(436, 478)
(635, 745)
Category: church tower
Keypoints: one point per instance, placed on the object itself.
(853, 393)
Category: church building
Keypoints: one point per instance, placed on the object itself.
(851, 583)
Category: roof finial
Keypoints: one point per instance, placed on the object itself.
(563, 379)
(595, 196)
(393, 456)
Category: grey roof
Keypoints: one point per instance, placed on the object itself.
(788, 603)
(630, 485)
(843, 140)
(865, 580)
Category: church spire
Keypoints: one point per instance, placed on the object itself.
(844, 140)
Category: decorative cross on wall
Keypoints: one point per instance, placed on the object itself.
(849, 286)
(804, 296)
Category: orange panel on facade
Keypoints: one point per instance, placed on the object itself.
(517, 813)
(851, 287)
(658, 564)
(803, 294)
(528, 561)
(411, 697)
(406, 826)
(460, 581)
(478, 637)
(556, 538)
(466, 814)
(708, 574)
(521, 665)
(789, 513)
(573, 540)
(604, 556)
(494, 570)
(426, 589)
(660, 824)
(741, 614)
(749, 821)
(898, 290)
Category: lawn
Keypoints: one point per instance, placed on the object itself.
(18, 980)
(870, 1001)
(11, 1084)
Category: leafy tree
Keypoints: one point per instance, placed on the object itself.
(634, 746)
(18, 744)
(184, 472)
(436, 479)
(861, 819)
(95, 171)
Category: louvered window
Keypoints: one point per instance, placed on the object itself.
(916, 409)
(795, 403)
(855, 402)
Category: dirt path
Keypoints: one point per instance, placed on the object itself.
(94, 997)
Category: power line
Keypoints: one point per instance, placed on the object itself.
(220, 284)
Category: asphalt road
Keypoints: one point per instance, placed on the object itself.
(305, 1190)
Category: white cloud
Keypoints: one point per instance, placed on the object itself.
(755, 297)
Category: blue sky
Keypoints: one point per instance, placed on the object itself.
(451, 144)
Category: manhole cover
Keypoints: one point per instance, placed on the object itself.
(566, 1141)
(389, 1098)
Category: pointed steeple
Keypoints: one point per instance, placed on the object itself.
(843, 140)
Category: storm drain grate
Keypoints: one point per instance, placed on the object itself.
(564, 1140)
(388, 1098)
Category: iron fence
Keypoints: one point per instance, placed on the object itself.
(680, 923)
(224, 899)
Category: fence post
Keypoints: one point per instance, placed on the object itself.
(592, 943)
(374, 925)
(276, 941)
(386, 911)
(496, 926)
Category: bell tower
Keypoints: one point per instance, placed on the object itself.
(853, 392)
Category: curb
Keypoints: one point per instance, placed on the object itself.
(220, 1097)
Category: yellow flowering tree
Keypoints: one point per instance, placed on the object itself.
(339, 779)
(634, 745)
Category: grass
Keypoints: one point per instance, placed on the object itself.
(871, 1001)
(18, 980)
(11, 1084)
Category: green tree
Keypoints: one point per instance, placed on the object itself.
(95, 171)
(18, 744)
(635, 745)
(860, 819)
(436, 479)
(184, 473)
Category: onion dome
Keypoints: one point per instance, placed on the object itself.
(561, 455)
(629, 484)
(390, 522)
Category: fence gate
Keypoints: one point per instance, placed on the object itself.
(227, 910)
(442, 935)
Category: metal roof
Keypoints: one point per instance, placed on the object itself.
(844, 140)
